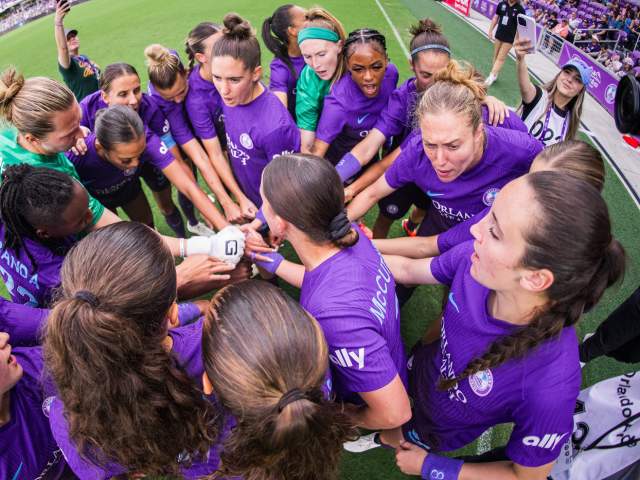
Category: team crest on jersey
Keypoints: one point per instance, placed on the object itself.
(245, 141)
(489, 196)
(46, 405)
(481, 383)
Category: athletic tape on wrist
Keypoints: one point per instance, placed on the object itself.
(270, 267)
(182, 252)
(436, 467)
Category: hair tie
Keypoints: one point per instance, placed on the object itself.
(430, 46)
(291, 396)
(339, 226)
(87, 297)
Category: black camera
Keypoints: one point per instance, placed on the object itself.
(627, 106)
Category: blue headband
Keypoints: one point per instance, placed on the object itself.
(430, 46)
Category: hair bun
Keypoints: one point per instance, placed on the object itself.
(11, 82)
(16, 173)
(237, 27)
(426, 25)
(157, 54)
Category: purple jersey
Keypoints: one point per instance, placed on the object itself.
(187, 350)
(28, 283)
(151, 115)
(256, 132)
(21, 322)
(283, 80)
(397, 118)
(348, 115)
(507, 155)
(28, 448)
(537, 392)
(352, 295)
(176, 115)
(459, 233)
(104, 180)
(204, 106)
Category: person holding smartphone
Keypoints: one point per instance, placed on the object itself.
(78, 72)
(506, 20)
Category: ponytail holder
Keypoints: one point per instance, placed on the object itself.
(291, 396)
(317, 33)
(430, 46)
(87, 297)
(339, 226)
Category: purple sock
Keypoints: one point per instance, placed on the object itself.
(174, 220)
(188, 209)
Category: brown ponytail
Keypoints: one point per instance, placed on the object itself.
(195, 40)
(267, 360)
(238, 41)
(306, 191)
(572, 238)
(125, 397)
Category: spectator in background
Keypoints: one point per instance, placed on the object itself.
(505, 33)
(574, 21)
(593, 49)
(78, 71)
(627, 65)
(613, 63)
(561, 29)
(552, 20)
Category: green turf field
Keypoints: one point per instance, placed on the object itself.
(118, 30)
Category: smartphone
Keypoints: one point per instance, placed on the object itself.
(527, 31)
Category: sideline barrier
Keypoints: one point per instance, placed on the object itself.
(603, 83)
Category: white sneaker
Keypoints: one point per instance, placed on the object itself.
(362, 444)
(490, 79)
(200, 229)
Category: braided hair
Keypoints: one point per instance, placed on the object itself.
(364, 36)
(32, 196)
(573, 242)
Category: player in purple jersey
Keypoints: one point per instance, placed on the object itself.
(41, 212)
(345, 284)
(258, 126)
(266, 359)
(117, 154)
(28, 448)
(320, 41)
(128, 398)
(355, 101)
(508, 349)
(120, 85)
(458, 161)
(204, 107)
(280, 36)
(571, 157)
(430, 53)
(169, 87)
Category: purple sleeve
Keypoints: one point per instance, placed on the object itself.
(187, 348)
(278, 80)
(402, 171)
(157, 153)
(461, 232)
(512, 122)
(359, 354)
(543, 424)
(188, 313)
(85, 121)
(155, 120)
(200, 118)
(21, 322)
(180, 128)
(332, 120)
(83, 468)
(285, 139)
(445, 266)
(393, 116)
